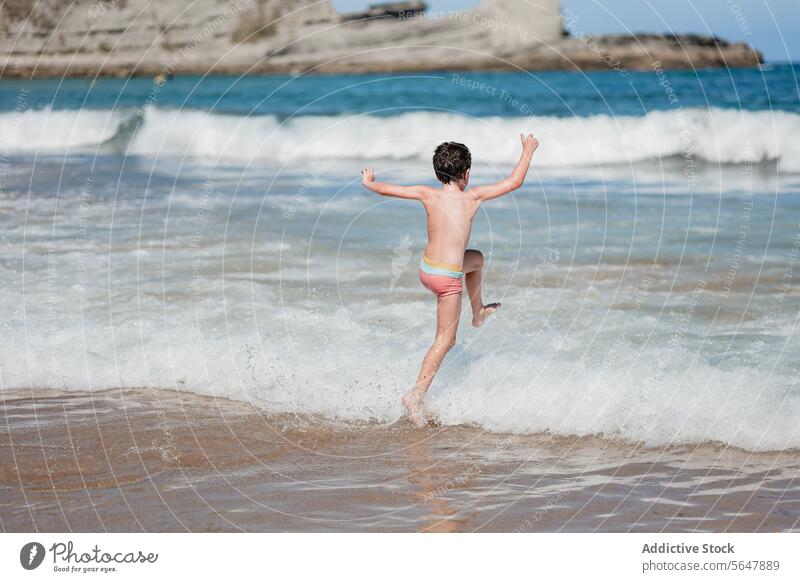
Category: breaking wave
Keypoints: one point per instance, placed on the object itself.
(712, 135)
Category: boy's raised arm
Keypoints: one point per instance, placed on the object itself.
(517, 177)
(411, 192)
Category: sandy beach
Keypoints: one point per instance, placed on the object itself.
(158, 460)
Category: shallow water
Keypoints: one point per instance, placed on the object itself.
(659, 318)
(152, 460)
(213, 237)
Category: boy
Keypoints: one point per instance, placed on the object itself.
(451, 210)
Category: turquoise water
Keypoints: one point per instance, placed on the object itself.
(212, 235)
(561, 94)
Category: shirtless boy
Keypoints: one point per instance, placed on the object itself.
(445, 264)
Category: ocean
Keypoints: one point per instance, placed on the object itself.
(206, 240)
(212, 235)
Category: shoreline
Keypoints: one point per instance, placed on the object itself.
(159, 460)
(145, 72)
(306, 419)
(547, 58)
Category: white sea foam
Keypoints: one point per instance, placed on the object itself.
(712, 135)
(49, 131)
(288, 300)
(291, 358)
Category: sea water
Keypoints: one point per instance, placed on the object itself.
(210, 234)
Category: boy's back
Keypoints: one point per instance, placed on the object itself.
(451, 210)
(450, 214)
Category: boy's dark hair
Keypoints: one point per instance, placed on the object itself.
(451, 160)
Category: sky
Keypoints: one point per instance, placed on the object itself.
(772, 26)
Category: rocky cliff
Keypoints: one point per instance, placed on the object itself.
(124, 37)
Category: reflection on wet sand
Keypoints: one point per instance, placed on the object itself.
(434, 481)
(157, 460)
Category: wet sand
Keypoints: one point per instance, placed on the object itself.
(160, 460)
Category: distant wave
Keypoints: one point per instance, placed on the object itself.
(712, 135)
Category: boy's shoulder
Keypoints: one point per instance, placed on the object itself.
(428, 191)
(431, 196)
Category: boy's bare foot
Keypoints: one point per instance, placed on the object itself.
(413, 404)
(485, 311)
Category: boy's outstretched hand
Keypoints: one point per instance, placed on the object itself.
(412, 192)
(529, 143)
(367, 176)
(517, 177)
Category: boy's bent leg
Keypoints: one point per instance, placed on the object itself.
(448, 311)
(473, 274)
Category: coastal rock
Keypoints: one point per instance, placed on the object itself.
(388, 10)
(137, 37)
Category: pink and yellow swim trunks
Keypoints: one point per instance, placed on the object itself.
(440, 278)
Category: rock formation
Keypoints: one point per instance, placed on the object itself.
(124, 37)
(388, 10)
